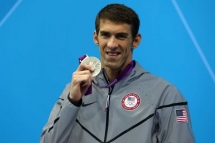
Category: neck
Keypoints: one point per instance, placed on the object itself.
(112, 73)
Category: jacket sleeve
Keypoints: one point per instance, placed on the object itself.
(61, 120)
(173, 118)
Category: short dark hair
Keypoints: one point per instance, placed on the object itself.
(119, 13)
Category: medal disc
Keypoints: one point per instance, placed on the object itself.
(94, 63)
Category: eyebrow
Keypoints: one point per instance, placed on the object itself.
(104, 32)
(124, 33)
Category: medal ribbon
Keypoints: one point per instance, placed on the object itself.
(125, 72)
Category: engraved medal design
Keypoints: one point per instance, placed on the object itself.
(94, 63)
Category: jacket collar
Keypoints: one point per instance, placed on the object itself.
(137, 71)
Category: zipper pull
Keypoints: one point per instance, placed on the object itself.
(107, 103)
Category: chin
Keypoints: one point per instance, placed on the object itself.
(112, 65)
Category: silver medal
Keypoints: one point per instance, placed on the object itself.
(94, 63)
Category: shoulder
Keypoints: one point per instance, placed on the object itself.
(65, 92)
(149, 80)
(167, 91)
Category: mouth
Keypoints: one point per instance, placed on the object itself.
(112, 53)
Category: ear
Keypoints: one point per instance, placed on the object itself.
(95, 38)
(136, 41)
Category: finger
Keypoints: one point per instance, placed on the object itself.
(77, 74)
(83, 66)
(87, 72)
(86, 83)
(78, 79)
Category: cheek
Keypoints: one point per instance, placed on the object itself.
(127, 50)
(127, 47)
(102, 49)
(101, 45)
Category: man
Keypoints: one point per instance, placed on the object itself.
(127, 104)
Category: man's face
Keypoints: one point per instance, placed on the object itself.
(116, 44)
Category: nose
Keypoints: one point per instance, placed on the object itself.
(112, 43)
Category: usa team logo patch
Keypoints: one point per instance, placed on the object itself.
(131, 101)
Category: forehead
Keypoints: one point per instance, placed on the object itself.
(114, 27)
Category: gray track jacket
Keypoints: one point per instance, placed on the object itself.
(142, 108)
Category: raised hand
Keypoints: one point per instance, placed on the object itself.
(81, 80)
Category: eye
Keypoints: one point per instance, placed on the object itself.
(105, 34)
(121, 36)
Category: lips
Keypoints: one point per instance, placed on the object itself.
(112, 56)
(113, 53)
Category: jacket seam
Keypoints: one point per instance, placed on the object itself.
(150, 116)
(88, 131)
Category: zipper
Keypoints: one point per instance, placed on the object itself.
(110, 90)
(107, 115)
